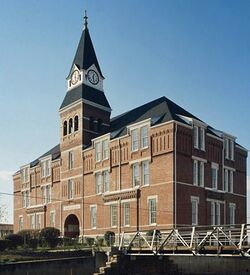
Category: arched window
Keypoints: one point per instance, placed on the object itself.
(91, 123)
(76, 123)
(65, 126)
(99, 125)
(70, 125)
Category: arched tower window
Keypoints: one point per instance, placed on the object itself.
(76, 123)
(99, 125)
(70, 125)
(65, 126)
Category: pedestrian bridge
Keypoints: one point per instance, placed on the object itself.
(222, 240)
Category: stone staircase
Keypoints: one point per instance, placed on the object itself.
(112, 266)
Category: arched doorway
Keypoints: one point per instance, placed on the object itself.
(71, 226)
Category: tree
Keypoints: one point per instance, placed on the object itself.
(3, 214)
(50, 236)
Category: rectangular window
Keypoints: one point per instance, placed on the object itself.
(202, 139)
(126, 213)
(20, 223)
(135, 176)
(45, 168)
(113, 214)
(32, 221)
(70, 189)
(230, 181)
(229, 148)
(93, 216)
(52, 218)
(232, 213)
(199, 138)
(215, 213)
(195, 172)
(98, 151)
(106, 180)
(214, 172)
(105, 148)
(145, 172)
(194, 205)
(98, 180)
(26, 198)
(201, 173)
(152, 211)
(196, 137)
(25, 175)
(144, 137)
(135, 141)
(38, 221)
(225, 187)
(71, 160)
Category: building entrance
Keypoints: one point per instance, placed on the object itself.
(71, 226)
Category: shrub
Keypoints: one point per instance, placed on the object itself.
(99, 241)
(4, 244)
(28, 236)
(15, 240)
(50, 236)
(89, 241)
(150, 234)
(109, 238)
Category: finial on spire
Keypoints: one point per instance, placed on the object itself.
(85, 20)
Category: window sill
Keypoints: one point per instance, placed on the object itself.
(153, 224)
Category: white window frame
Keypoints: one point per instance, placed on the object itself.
(198, 173)
(70, 189)
(135, 174)
(199, 137)
(106, 180)
(98, 181)
(98, 151)
(134, 139)
(25, 173)
(232, 212)
(195, 216)
(105, 149)
(145, 172)
(20, 223)
(230, 181)
(225, 185)
(71, 160)
(93, 216)
(126, 213)
(215, 213)
(196, 137)
(144, 136)
(152, 210)
(45, 168)
(215, 168)
(52, 218)
(113, 215)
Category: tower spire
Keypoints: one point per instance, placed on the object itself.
(85, 20)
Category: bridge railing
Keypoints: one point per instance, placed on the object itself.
(219, 239)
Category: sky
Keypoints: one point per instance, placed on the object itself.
(194, 52)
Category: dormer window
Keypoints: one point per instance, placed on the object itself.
(199, 138)
(229, 148)
(45, 168)
(102, 150)
(135, 139)
(25, 174)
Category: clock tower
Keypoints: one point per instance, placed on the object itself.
(85, 111)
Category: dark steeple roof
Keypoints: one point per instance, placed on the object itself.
(85, 54)
(87, 93)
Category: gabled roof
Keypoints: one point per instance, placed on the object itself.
(85, 92)
(85, 54)
(159, 110)
(54, 152)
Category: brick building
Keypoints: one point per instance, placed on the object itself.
(156, 166)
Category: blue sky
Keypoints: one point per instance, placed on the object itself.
(194, 52)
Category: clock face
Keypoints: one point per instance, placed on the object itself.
(92, 77)
(75, 77)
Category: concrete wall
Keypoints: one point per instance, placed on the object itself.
(149, 265)
(70, 266)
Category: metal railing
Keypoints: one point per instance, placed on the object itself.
(201, 240)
